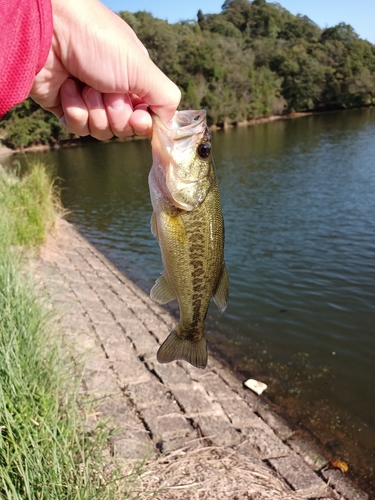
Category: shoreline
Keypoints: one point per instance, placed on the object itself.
(5, 151)
(115, 324)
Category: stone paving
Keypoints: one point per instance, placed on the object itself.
(116, 328)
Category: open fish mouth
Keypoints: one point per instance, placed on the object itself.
(189, 119)
(183, 125)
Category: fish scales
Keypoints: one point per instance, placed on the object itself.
(188, 225)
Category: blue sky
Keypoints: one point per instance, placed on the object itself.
(358, 13)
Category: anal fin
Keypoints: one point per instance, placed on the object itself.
(161, 292)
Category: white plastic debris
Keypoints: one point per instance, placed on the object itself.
(256, 386)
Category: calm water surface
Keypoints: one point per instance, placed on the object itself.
(298, 200)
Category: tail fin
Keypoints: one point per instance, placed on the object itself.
(175, 347)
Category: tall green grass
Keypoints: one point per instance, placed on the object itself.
(45, 450)
(28, 205)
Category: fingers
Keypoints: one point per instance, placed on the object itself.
(119, 109)
(141, 121)
(89, 112)
(74, 108)
(98, 121)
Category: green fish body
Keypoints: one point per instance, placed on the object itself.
(188, 224)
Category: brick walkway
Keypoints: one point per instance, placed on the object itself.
(117, 329)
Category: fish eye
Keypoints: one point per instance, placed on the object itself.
(204, 150)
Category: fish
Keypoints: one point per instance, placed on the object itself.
(188, 224)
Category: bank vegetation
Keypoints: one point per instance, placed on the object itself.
(46, 451)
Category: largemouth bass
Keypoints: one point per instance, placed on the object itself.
(188, 224)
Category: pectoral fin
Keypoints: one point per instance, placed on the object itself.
(153, 224)
(161, 292)
(221, 294)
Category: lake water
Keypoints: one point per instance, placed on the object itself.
(298, 200)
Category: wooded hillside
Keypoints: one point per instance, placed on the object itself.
(254, 59)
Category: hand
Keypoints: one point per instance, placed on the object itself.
(98, 78)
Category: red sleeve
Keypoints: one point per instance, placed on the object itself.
(25, 39)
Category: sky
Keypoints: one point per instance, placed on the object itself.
(360, 14)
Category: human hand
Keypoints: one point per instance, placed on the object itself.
(98, 78)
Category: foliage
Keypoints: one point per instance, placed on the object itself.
(46, 451)
(27, 125)
(253, 59)
(28, 205)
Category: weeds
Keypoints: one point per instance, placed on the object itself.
(45, 450)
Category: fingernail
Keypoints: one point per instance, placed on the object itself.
(115, 101)
(63, 120)
(118, 101)
(143, 106)
(70, 88)
(94, 98)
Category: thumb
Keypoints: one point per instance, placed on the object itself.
(154, 88)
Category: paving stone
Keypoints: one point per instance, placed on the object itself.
(169, 373)
(75, 323)
(216, 387)
(251, 399)
(279, 426)
(70, 274)
(132, 448)
(247, 449)
(111, 300)
(110, 332)
(84, 345)
(168, 320)
(79, 262)
(146, 394)
(130, 438)
(155, 325)
(93, 260)
(101, 316)
(119, 409)
(311, 455)
(238, 411)
(87, 296)
(99, 383)
(140, 337)
(120, 350)
(344, 485)
(105, 274)
(218, 429)
(299, 475)
(95, 360)
(171, 443)
(116, 328)
(262, 437)
(193, 372)
(166, 422)
(131, 371)
(193, 398)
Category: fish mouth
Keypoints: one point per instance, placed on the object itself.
(184, 124)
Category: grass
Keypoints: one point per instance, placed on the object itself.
(28, 205)
(45, 450)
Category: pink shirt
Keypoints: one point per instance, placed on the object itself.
(25, 39)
